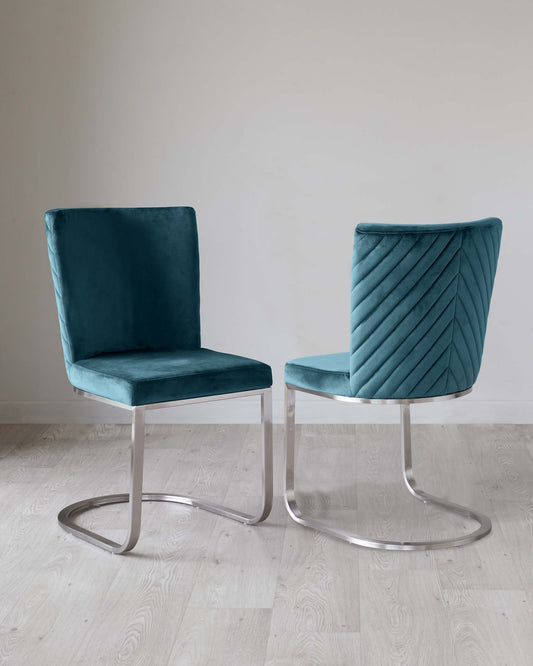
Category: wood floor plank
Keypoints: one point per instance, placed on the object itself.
(490, 627)
(494, 562)
(386, 508)
(54, 609)
(313, 649)
(146, 602)
(326, 473)
(217, 636)
(242, 571)
(317, 585)
(508, 468)
(14, 435)
(403, 619)
(318, 578)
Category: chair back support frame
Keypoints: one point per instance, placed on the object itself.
(296, 514)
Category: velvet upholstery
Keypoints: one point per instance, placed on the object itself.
(127, 289)
(419, 306)
(146, 377)
(125, 278)
(327, 373)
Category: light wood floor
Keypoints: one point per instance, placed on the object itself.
(204, 590)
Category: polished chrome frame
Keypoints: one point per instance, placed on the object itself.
(485, 525)
(136, 497)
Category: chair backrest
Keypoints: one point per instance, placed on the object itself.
(125, 279)
(419, 306)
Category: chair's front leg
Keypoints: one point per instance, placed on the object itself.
(267, 466)
(136, 479)
(266, 474)
(290, 497)
(136, 495)
(134, 498)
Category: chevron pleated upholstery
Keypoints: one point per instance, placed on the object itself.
(419, 306)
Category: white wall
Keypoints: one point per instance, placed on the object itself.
(284, 123)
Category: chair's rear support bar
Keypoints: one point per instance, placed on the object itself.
(296, 514)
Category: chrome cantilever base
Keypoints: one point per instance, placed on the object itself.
(135, 497)
(485, 525)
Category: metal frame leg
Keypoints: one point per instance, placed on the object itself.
(295, 513)
(135, 497)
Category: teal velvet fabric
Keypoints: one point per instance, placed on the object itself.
(145, 377)
(125, 278)
(128, 296)
(419, 306)
(328, 373)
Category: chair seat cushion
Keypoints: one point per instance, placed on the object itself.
(149, 376)
(328, 373)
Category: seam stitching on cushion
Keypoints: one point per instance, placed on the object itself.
(483, 301)
(454, 314)
(480, 290)
(373, 249)
(57, 281)
(403, 342)
(492, 253)
(435, 383)
(413, 390)
(386, 256)
(468, 352)
(412, 331)
(482, 271)
(478, 335)
(403, 278)
(463, 368)
(454, 377)
(496, 246)
(405, 316)
(406, 378)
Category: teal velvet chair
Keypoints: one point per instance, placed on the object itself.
(127, 289)
(419, 306)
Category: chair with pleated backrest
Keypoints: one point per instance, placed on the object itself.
(128, 296)
(419, 307)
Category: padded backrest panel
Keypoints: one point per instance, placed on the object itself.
(419, 307)
(125, 278)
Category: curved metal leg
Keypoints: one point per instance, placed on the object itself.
(485, 524)
(135, 497)
(296, 514)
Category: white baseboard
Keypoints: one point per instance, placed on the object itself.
(246, 410)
